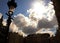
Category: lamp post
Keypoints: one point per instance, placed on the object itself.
(11, 5)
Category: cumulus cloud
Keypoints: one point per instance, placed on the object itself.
(33, 26)
(25, 24)
(21, 20)
(36, 20)
(44, 23)
(13, 28)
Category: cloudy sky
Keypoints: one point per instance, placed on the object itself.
(31, 17)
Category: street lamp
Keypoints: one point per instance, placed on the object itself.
(11, 5)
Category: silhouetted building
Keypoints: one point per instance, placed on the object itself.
(56, 4)
(15, 38)
(37, 38)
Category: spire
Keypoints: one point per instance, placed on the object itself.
(1, 20)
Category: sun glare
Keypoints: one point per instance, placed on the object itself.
(42, 11)
(39, 9)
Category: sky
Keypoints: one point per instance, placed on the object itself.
(22, 6)
(31, 17)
